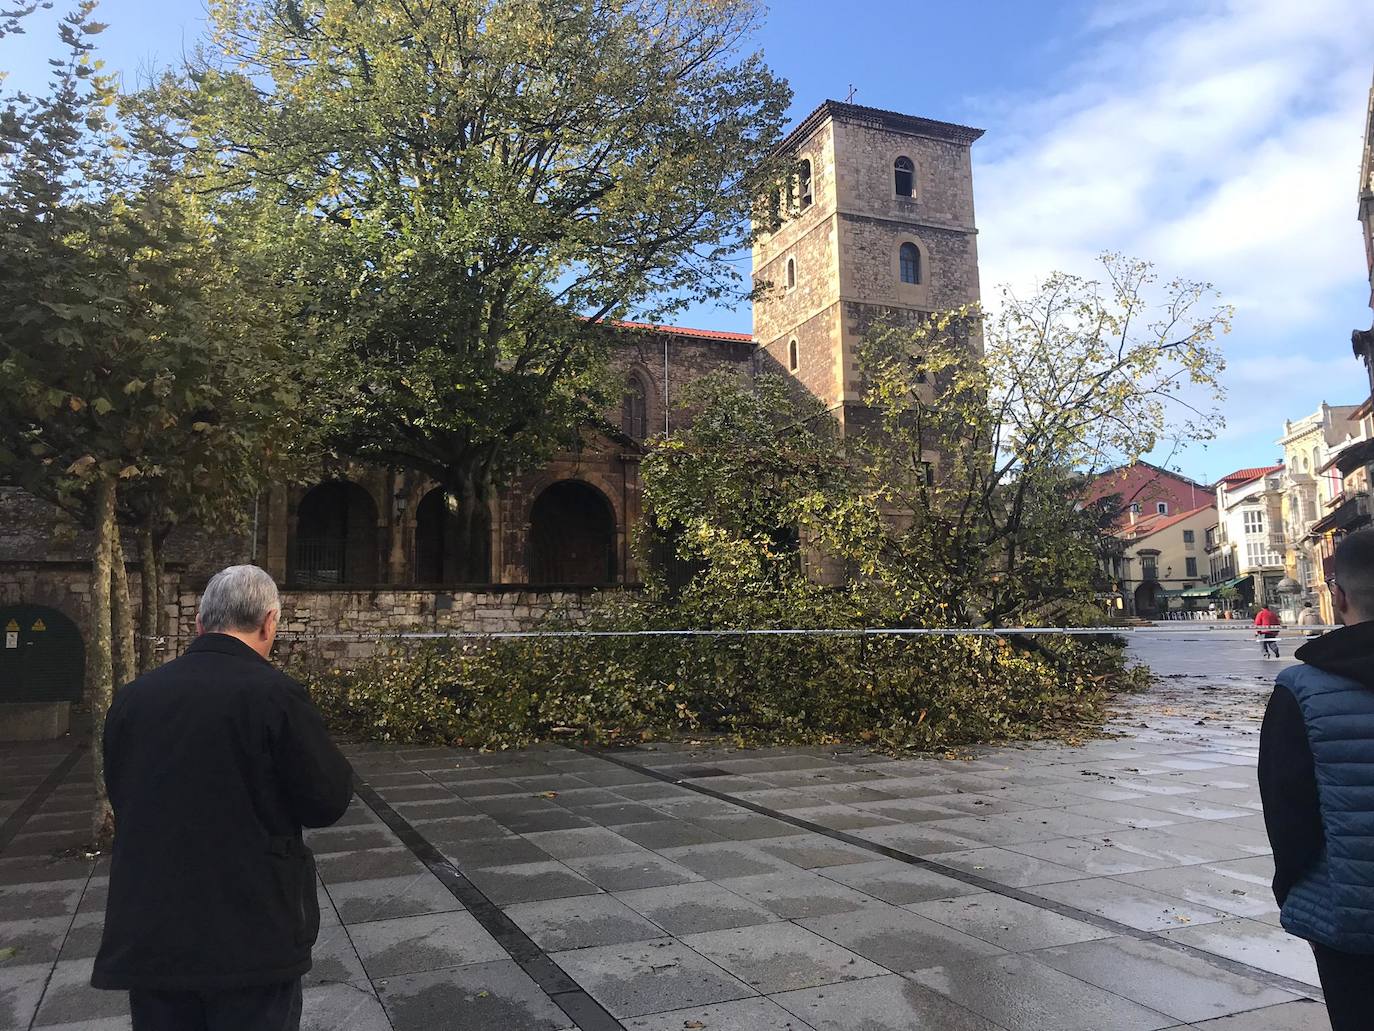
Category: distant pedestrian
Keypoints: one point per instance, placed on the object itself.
(1316, 778)
(1267, 626)
(1309, 617)
(214, 762)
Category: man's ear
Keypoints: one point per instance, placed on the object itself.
(269, 623)
(200, 627)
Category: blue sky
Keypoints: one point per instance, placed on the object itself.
(1218, 138)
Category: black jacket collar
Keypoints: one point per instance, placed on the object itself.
(222, 644)
(1347, 652)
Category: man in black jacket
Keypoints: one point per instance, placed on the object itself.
(214, 762)
(1316, 777)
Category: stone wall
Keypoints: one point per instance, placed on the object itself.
(344, 626)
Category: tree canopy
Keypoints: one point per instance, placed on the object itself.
(467, 187)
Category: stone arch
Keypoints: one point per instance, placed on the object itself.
(1149, 599)
(441, 554)
(335, 540)
(572, 535)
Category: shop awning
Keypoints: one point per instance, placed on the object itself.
(1207, 590)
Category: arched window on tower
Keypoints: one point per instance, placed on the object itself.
(791, 273)
(909, 259)
(634, 410)
(804, 195)
(793, 356)
(904, 177)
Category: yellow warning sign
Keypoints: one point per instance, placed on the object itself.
(38, 624)
(12, 625)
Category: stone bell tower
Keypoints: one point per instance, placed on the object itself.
(879, 221)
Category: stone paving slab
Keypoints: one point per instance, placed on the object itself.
(1182, 986)
(1021, 994)
(647, 977)
(781, 957)
(881, 1004)
(677, 910)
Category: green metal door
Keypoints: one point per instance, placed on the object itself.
(42, 656)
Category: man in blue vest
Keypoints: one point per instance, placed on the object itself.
(1316, 775)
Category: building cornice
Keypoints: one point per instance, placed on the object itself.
(876, 118)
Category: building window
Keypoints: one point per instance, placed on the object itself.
(1253, 520)
(1189, 538)
(928, 468)
(1149, 568)
(804, 183)
(1162, 507)
(793, 358)
(1190, 566)
(909, 259)
(1135, 508)
(904, 177)
(791, 273)
(634, 411)
(1257, 553)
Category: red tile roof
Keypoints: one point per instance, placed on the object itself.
(1246, 475)
(1152, 524)
(683, 331)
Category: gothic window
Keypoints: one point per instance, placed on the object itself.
(634, 411)
(904, 177)
(791, 273)
(793, 358)
(909, 258)
(804, 183)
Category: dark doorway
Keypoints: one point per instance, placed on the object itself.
(441, 555)
(1149, 600)
(42, 658)
(572, 536)
(336, 537)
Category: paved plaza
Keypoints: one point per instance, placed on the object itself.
(1116, 885)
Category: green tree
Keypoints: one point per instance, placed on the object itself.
(467, 187)
(960, 499)
(133, 376)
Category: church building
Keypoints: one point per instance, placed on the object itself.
(879, 222)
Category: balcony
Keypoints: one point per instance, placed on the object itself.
(1349, 515)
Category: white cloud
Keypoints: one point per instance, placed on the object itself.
(1221, 139)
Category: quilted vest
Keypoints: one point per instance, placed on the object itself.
(1333, 902)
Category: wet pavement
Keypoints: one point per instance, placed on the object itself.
(1118, 884)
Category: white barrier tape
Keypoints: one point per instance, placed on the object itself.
(477, 635)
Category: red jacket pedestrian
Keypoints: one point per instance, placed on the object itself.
(1267, 626)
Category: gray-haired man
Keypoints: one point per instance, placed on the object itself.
(214, 762)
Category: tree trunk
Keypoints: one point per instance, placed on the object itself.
(121, 615)
(473, 530)
(102, 662)
(150, 611)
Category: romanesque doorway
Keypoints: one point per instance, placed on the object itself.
(336, 537)
(441, 554)
(43, 658)
(572, 536)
